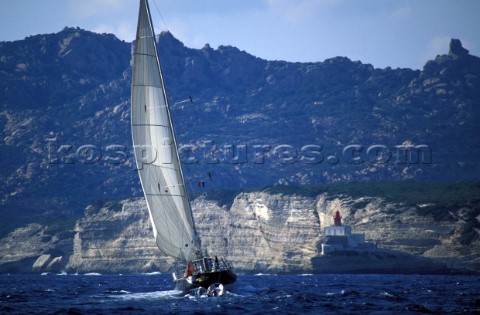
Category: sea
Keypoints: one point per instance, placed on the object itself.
(251, 294)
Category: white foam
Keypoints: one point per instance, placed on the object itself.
(155, 273)
(150, 295)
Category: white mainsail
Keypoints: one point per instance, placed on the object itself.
(156, 150)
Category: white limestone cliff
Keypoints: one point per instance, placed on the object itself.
(259, 232)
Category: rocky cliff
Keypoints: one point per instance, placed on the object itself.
(35, 248)
(258, 232)
(261, 231)
(116, 240)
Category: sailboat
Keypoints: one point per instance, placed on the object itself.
(160, 170)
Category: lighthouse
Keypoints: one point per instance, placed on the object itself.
(340, 237)
(337, 228)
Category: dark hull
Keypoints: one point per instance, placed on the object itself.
(204, 280)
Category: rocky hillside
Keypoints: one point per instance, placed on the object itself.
(51, 86)
(264, 231)
(65, 135)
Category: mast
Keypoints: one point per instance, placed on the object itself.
(155, 148)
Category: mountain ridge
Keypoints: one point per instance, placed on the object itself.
(64, 94)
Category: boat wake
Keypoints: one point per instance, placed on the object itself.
(202, 293)
(168, 294)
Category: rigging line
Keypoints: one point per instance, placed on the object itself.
(155, 3)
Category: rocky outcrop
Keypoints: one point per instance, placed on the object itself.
(35, 248)
(456, 48)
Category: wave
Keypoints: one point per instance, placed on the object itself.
(92, 274)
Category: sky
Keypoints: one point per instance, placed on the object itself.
(395, 33)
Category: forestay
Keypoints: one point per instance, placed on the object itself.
(156, 151)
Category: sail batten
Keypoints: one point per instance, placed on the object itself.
(156, 153)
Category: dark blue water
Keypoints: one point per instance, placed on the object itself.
(261, 294)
